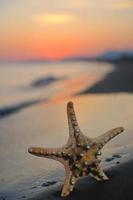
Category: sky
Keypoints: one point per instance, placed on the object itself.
(54, 29)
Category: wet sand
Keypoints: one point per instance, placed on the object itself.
(119, 80)
(119, 187)
(32, 178)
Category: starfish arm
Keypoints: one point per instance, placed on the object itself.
(106, 137)
(80, 155)
(52, 153)
(74, 130)
(68, 183)
(98, 174)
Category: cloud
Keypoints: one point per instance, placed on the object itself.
(53, 18)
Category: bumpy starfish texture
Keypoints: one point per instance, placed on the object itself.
(80, 156)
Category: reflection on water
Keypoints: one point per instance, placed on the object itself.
(45, 124)
(16, 79)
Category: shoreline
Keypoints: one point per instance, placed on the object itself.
(118, 81)
(27, 128)
(119, 186)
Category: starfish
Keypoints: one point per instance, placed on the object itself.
(80, 155)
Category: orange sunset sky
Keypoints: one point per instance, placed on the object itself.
(58, 28)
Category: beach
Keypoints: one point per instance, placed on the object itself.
(66, 90)
(119, 80)
(118, 187)
(35, 115)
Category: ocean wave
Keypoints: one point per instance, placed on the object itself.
(9, 110)
(44, 81)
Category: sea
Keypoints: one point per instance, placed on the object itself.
(33, 99)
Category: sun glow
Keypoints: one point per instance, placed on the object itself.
(57, 29)
(53, 19)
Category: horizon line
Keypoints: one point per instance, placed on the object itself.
(76, 56)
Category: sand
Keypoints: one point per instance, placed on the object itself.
(119, 80)
(96, 113)
(119, 187)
